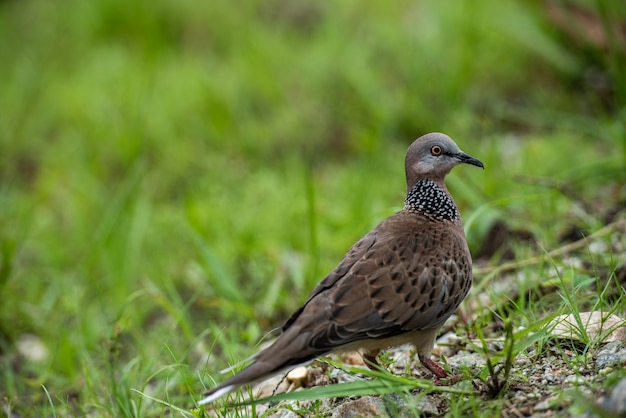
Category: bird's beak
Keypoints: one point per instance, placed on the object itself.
(466, 159)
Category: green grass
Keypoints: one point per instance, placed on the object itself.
(175, 178)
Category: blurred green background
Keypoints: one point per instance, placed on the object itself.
(176, 176)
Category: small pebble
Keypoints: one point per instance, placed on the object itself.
(298, 376)
(32, 348)
(542, 406)
(575, 380)
(616, 402)
(605, 371)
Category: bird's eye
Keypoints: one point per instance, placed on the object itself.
(436, 150)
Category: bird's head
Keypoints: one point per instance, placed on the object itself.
(432, 156)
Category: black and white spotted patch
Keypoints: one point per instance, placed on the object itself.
(428, 199)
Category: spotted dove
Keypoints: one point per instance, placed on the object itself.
(397, 285)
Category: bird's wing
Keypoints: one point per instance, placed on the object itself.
(358, 250)
(388, 284)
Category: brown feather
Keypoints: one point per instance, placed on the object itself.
(398, 284)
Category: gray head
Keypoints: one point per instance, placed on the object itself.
(432, 156)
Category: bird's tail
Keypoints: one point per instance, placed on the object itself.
(257, 371)
(290, 350)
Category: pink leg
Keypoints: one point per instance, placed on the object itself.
(435, 369)
(438, 371)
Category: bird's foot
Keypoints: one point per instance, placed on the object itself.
(448, 381)
(439, 372)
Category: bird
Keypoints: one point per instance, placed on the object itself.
(396, 285)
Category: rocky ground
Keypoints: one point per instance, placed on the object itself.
(544, 386)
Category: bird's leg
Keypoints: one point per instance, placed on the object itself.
(370, 359)
(434, 368)
(438, 371)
